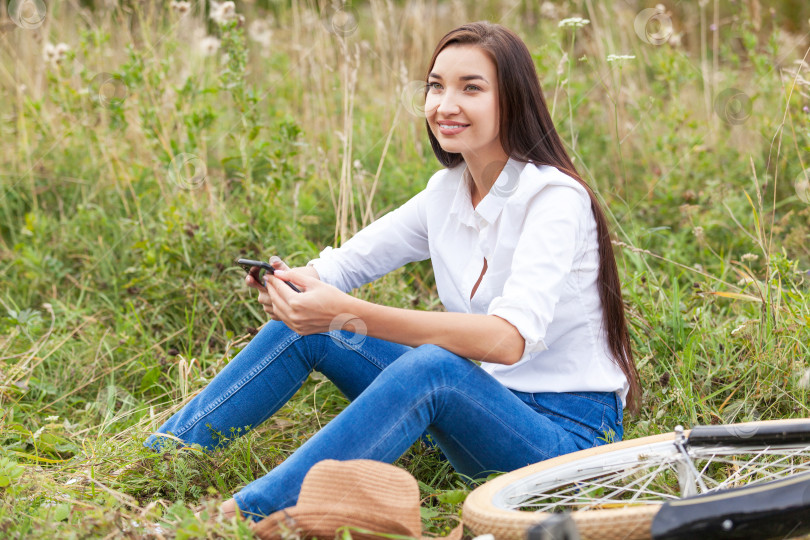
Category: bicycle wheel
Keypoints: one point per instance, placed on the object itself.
(615, 490)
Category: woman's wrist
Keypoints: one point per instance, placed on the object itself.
(309, 271)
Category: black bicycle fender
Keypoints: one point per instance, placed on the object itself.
(752, 433)
(778, 509)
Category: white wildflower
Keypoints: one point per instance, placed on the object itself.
(619, 57)
(260, 32)
(53, 418)
(38, 432)
(48, 52)
(548, 10)
(698, 232)
(181, 7)
(574, 22)
(54, 54)
(208, 45)
(750, 257)
(222, 12)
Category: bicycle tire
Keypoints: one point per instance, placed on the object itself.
(486, 512)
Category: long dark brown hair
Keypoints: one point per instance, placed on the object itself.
(527, 133)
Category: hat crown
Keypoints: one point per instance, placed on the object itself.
(373, 489)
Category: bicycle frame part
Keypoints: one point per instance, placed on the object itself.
(777, 509)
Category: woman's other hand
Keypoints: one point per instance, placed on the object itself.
(264, 298)
(315, 309)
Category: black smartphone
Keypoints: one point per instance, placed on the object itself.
(257, 270)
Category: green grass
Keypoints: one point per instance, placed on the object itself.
(116, 256)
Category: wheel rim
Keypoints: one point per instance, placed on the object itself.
(646, 475)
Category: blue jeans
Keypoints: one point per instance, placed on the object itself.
(397, 394)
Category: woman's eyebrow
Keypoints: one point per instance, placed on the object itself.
(462, 78)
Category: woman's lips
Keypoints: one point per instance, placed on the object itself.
(452, 130)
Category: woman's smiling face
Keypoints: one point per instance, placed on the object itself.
(461, 106)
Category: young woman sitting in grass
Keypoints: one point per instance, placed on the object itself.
(523, 264)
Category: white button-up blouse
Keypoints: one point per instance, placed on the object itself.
(536, 230)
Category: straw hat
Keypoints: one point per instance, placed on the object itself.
(368, 496)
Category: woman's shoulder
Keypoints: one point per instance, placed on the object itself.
(446, 179)
(542, 176)
(545, 184)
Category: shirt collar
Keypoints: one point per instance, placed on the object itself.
(493, 202)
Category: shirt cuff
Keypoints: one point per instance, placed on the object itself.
(518, 317)
(327, 268)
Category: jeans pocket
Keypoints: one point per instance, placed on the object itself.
(588, 416)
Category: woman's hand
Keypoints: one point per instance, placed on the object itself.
(317, 308)
(264, 298)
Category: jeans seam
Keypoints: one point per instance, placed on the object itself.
(260, 366)
(580, 394)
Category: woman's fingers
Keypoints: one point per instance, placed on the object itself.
(251, 282)
(278, 264)
(264, 298)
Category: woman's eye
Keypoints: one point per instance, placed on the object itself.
(438, 86)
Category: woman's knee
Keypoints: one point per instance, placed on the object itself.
(431, 361)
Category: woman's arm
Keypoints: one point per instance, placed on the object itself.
(322, 307)
(488, 338)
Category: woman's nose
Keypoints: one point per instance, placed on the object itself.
(448, 104)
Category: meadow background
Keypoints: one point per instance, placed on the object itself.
(147, 144)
